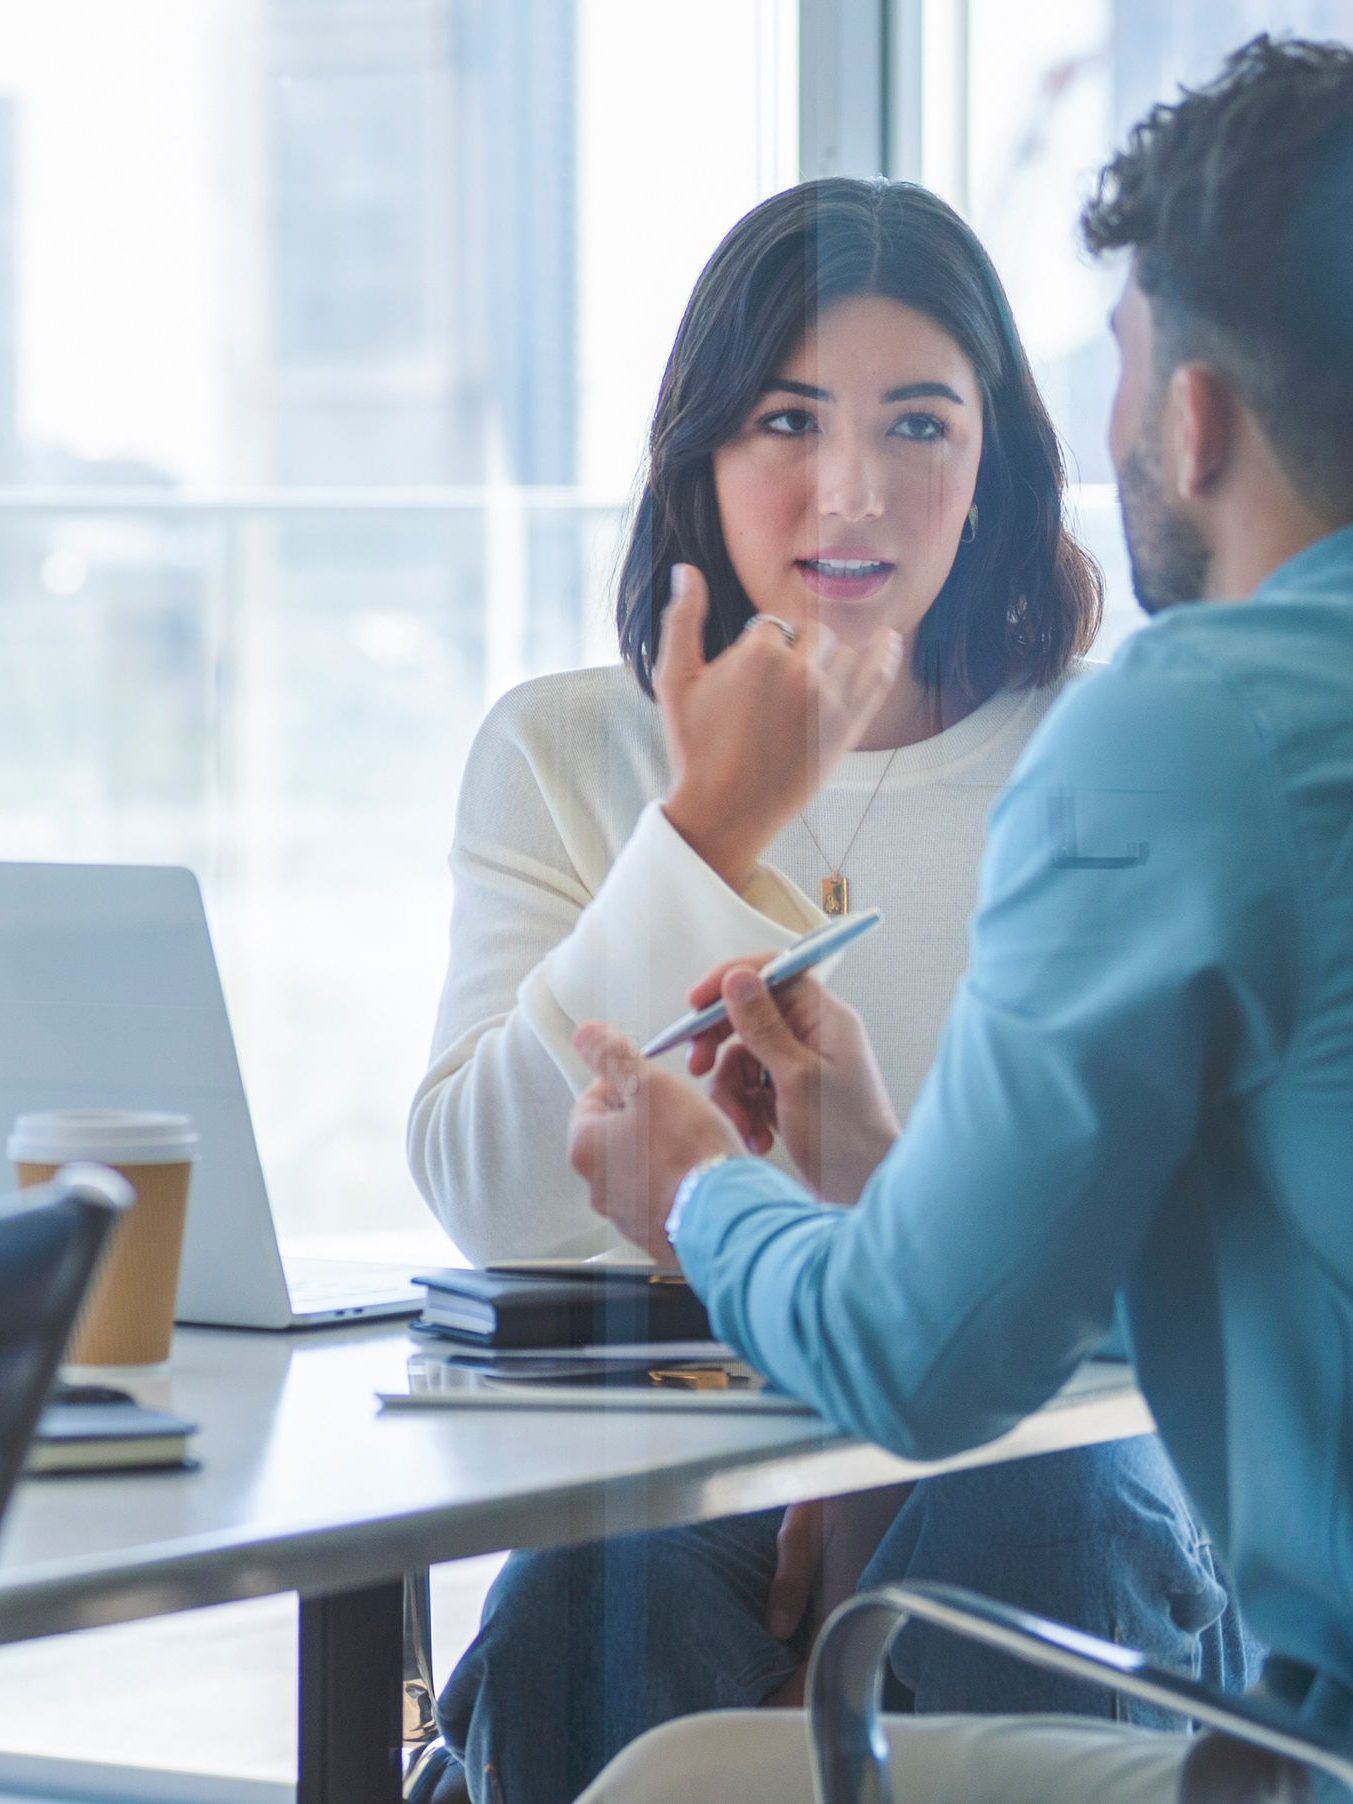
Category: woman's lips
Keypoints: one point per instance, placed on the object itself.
(845, 579)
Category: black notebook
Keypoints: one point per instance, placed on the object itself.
(581, 1308)
(112, 1434)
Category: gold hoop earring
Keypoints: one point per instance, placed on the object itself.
(969, 532)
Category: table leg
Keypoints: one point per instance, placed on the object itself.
(351, 1666)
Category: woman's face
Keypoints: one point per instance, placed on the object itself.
(844, 492)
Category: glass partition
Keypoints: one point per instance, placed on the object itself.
(328, 334)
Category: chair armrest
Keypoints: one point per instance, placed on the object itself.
(845, 1684)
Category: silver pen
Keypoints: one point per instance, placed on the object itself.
(787, 965)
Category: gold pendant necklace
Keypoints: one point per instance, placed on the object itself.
(835, 895)
(835, 887)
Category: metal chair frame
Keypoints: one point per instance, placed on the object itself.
(848, 1668)
(845, 1685)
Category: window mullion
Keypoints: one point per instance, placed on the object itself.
(842, 90)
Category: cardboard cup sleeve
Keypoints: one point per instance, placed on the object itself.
(128, 1317)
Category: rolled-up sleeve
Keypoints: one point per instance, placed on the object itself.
(1128, 973)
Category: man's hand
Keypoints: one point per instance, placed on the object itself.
(825, 1094)
(635, 1133)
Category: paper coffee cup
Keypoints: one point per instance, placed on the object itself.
(128, 1316)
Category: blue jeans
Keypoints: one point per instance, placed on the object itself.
(583, 1648)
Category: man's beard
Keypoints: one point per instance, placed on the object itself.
(1168, 558)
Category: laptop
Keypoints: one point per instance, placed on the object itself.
(110, 998)
(51, 1236)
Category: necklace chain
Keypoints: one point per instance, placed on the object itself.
(833, 885)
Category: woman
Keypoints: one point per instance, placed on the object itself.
(848, 454)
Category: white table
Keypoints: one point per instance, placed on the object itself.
(305, 1486)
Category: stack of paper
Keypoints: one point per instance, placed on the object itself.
(438, 1382)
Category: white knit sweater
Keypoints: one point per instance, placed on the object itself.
(575, 900)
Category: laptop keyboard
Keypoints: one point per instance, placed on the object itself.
(321, 1284)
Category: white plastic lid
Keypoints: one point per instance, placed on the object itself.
(105, 1136)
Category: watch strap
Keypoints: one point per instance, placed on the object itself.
(685, 1190)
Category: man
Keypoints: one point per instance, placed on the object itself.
(1145, 1086)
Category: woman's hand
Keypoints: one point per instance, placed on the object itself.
(821, 1550)
(825, 1094)
(635, 1133)
(753, 735)
(798, 1559)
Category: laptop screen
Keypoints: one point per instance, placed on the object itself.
(110, 999)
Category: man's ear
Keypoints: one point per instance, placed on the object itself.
(1200, 429)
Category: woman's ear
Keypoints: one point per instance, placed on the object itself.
(1201, 419)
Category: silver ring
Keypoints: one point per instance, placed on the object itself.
(788, 633)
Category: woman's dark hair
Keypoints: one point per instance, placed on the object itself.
(1023, 598)
(1238, 204)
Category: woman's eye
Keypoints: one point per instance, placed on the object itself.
(919, 426)
(790, 422)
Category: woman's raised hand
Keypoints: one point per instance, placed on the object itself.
(753, 734)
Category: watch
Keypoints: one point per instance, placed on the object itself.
(685, 1190)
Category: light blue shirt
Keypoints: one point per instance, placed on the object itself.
(1145, 1084)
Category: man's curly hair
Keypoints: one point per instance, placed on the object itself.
(1237, 202)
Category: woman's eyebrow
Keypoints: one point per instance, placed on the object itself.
(785, 385)
(910, 391)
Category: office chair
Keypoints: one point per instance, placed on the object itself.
(845, 1683)
(51, 1237)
